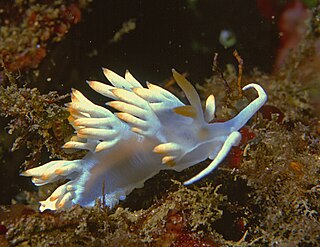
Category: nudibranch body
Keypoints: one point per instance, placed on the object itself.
(152, 131)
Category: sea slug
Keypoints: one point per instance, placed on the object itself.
(152, 131)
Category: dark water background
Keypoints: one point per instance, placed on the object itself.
(163, 39)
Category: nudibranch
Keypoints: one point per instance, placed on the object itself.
(151, 131)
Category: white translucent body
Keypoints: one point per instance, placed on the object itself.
(152, 131)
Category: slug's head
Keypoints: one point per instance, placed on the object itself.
(213, 140)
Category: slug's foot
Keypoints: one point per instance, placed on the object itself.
(112, 199)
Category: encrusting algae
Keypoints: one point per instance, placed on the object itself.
(27, 27)
(183, 214)
(37, 120)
